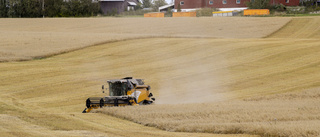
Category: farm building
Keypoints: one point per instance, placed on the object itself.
(187, 5)
(165, 8)
(117, 6)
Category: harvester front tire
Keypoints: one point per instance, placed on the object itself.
(135, 100)
(130, 101)
(101, 103)
(88, 103)
(116, 102)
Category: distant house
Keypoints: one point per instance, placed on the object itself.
(117, 6)
(187, 5)
(165, 8)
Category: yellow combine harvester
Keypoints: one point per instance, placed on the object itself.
(122, 92)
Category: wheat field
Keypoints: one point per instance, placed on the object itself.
(234, 83)
(276, 115)
(25, 39)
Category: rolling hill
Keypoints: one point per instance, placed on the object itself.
(214, 82)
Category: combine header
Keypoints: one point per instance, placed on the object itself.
(122, 92)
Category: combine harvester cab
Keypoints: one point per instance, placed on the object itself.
(122, 92)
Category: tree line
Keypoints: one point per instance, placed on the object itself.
(48, 8)
(60, 8)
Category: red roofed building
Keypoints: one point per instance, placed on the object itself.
(195, 4)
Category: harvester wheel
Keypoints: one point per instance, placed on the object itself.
(116, 102)
(135, 100)
(132, 101)
(129, 102)
(101, 103)
(88, 103)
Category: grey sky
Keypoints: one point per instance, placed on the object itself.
(169, 1)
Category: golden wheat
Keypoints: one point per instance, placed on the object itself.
(52, 91)
(233, 76)
(290, 114)
(25, 39)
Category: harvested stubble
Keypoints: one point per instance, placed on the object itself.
(290, 114)
(177, 72)
(49, 94)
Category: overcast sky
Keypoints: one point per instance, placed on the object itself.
(169, 1)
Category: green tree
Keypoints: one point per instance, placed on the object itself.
(311, 5)
(179, 8)
(30, 8)
(158, 3)
(258, 4)
(139, 6)
(169, 12)
(147, 3)
(14, 8)
(52, 8)
(3, 8)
